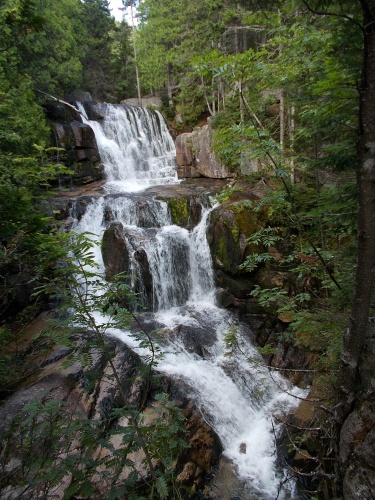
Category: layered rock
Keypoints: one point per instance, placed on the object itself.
(77, 139)
(114, 251)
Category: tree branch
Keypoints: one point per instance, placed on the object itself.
(59, 100)
(333, 14)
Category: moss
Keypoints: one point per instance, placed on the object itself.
(222, 253)
(232, 224)
(179, 209)
(247, 221)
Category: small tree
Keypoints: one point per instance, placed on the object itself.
(57, 447)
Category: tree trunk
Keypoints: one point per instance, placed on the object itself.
(169, 85)
(364, 277)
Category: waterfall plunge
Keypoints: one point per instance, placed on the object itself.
(236, 397)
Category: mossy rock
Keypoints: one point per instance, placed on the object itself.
(179, 210)
(185, 211)
(230, 226)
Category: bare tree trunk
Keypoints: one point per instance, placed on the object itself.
(169, 85)
(292, 127)
(364, 277)
(282, 122)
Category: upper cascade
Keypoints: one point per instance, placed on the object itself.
(135, 147)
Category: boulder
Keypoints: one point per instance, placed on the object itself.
(95, 110)
(79, 95)
(184, 151)
(195, 157)
(144, 286)
(227, 236)
(58, 111)
(206, 161)
(230, 225)
(196, 462)
(122, 252)
(84, 141)
(114, 251)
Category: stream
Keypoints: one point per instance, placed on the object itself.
(236, 394)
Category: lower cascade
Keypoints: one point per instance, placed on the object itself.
(172, 271)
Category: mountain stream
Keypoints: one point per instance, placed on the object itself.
(236, 394)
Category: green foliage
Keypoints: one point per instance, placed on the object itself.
(308, 247)
(52, 54)
(66, 444)
(225, 194)
(264, 238)
(231, 340)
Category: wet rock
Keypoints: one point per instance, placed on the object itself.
(197, 339)
(224, 298)
(226, 485)
(95, 110)
(197, 461)
(79, 207)
(114, 250)
(78, 140)
(229, 227)
(108, 396)
(140, 256)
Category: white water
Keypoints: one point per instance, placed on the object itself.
(135, 147)
(237, 397)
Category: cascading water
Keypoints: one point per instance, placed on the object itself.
(135, 147)
(236, 395)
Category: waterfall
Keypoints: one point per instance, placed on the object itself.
(236, 395)
(135, 147)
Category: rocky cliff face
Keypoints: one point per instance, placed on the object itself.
(77, 139)
(194, 154)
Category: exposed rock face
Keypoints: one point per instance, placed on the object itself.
(147, 102)
(95, 110)
(78, 140)
(92, 394)
(230, 225)
(196, 158)
(184, 153)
